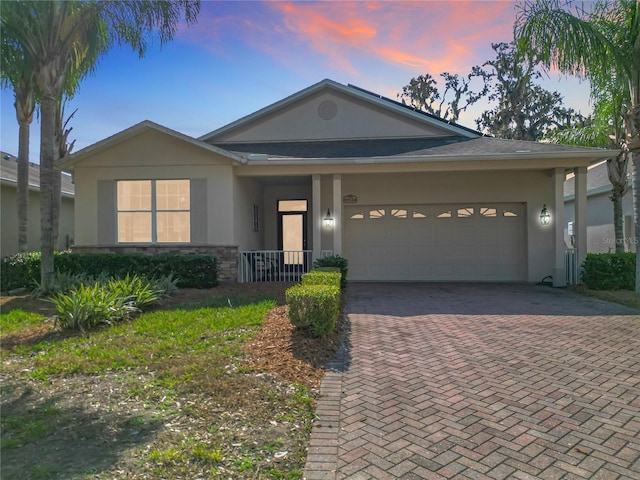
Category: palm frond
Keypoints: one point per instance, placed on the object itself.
(569, 43)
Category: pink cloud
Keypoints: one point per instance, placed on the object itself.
(417, 37)
(412, 35)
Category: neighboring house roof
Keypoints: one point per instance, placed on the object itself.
(597, 181)
(350, 90)
(71, 160)
(9, 175)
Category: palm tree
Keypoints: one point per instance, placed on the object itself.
(17, 72)
(605, 129)
(600, 43)
(59, 37)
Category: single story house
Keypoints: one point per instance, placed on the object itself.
(600, 231)
(335, 169)
(9, 208)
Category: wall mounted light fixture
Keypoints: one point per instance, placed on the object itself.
(545, 216)
(328, 219)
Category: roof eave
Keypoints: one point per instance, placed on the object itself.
(582, 155)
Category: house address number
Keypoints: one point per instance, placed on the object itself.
(349, 199)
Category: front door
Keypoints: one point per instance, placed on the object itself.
(292, 230)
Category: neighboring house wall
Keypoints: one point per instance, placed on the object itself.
(9, 214)
(600, 229)
(9, 208)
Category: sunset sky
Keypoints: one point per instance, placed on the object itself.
(244, 55)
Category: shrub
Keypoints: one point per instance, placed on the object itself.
(323, 276)
(335, 261)
(90, 304)
(609, 271)
(19, 270)
(189, 271)
(315, 307)
(133, 289)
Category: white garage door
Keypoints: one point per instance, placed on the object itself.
(464, 242)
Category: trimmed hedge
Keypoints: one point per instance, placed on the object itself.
(315, 307)
(192, 271)
(19, 270)
(335, 261)
(323, 276)
(610, 271)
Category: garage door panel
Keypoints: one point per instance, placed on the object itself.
(474, 242)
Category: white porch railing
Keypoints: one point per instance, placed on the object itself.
(571, 265)
(275, 265)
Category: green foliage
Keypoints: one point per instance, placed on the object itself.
(19, 270)
(335, 261)
(90, 305)
(322, 276)
(187, 271)
(609, 271)
(315, 307)
(93, 303)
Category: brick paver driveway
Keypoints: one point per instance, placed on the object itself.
(480, 381)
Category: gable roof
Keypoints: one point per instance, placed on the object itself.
(70, 161)
(351, 91)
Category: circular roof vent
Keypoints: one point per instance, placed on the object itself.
(327, 110)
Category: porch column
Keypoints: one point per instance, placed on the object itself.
(337, 214)
(559, 269)
(316, 216)
(580, 205)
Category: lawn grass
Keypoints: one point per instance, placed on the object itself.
(623, 297)
(18, 320)
(163, 396)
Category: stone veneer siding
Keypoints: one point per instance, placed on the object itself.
(226, 257)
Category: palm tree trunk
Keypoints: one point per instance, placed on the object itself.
(47, 156)
(616, 198)
(23, 186)
(635, 161)
(25, 105)
(55, 208)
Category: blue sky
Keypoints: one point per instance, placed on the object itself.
(244, 55)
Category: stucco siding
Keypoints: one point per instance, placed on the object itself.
(247, 194)
(9, 225)
(307, 120)
(152, 148)
(600, 229)
(532, 188)
(152, 155)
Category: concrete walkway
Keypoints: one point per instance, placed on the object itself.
(480, 381)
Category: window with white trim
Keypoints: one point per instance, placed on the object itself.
(154, 211)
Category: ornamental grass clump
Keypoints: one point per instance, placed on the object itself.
(105, 302)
